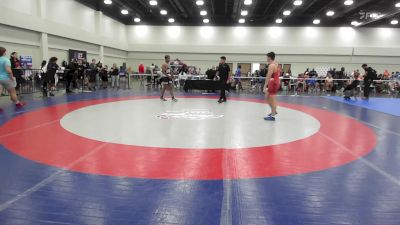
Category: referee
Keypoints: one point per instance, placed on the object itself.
(223, 73)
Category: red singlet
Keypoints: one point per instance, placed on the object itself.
(274, 83)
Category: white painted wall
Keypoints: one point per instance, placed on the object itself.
(64, 18)
(70, 13)
(23, 6)
(302, 47)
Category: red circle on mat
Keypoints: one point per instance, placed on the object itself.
(38, 136)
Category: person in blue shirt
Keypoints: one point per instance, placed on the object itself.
(238, 74)
(7, 79)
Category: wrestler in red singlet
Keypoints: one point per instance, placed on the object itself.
(272, 80)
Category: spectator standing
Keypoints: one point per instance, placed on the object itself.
(370, 76)
(49, 81)
(122, 73)
(17, 69)
(329, 82)
(71, 70)
(114, 76)
(141, 70)
(104, 76)
(7, 79)
(92, 75)
(238, 74)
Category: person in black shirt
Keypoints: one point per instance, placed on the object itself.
(49, 80)
(370, 75)
(71, 69)
(211, 73)
(17, 69)
(223, 73)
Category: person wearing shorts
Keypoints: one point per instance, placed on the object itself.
(7, 79)
(272, 80)
(167, 79)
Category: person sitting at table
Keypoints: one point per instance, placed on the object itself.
(211, 75)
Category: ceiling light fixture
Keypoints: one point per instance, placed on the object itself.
(199, 2)
(278, 20)
(348, 2)
(394, 22)
(297, 2)
(244, 13)
(242, 20)
(137, 20)
(248, 2)
(153, 2)
(206, 21)
(286, 12)
(107, 2)
(171, 20)
(203, 12)
(355, 23)
(316, 21)
(163, 12)
(125, 12)
(330, 13)
(397, 5)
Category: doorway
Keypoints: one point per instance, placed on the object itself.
(246, 68)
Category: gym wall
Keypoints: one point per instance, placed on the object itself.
(302, 47)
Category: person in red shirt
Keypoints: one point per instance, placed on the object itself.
(141, 70)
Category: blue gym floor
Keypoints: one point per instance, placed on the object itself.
(363, 192)
(385, 105)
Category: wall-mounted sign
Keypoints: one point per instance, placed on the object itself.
(26, 61)
(77, 54)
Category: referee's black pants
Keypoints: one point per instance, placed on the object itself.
(223, 90)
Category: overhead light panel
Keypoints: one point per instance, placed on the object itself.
(124, 12)
(206, 21)
(397, 5)
(355, 23)
(171, 20)
(330, 13)
(348, 2)
(297, 2)
(316, 21)
(153, 2)
(203, 12)
(107, 2)
(286, 12)
(199, 2)
(248, 2)
(242, 20)
(244, 13)
(394, 22)
(163, 12)
(137, 20)
(278, 20)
